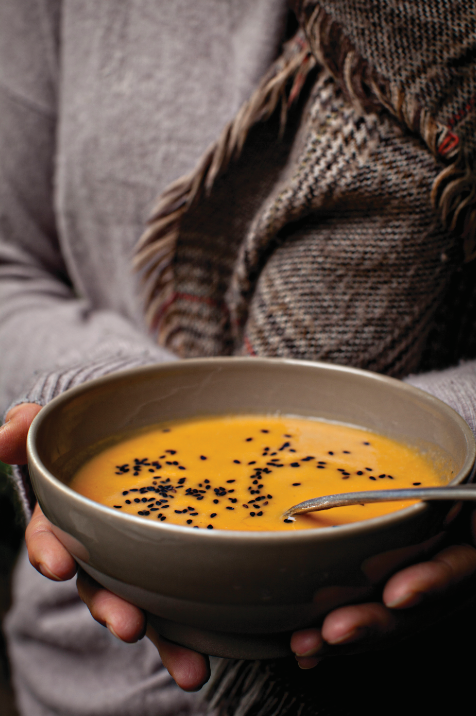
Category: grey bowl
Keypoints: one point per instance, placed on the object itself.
(227, 593)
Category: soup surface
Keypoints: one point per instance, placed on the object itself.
(243, 472)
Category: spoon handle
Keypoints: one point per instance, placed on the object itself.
(465, 492)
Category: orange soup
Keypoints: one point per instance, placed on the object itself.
(243, 472)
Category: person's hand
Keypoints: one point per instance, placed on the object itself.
(125, 621)
(412, 598)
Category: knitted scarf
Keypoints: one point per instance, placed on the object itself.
(333, 219)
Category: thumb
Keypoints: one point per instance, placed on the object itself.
(14, 432)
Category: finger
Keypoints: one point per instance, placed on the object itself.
(14, 432)
(45, 551)
(189, 669)
(124, 620)
(445, 571)
(361, 622)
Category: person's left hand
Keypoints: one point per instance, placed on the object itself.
(125, 621)
(412, 598)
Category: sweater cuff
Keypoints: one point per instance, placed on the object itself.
(455, 386)
(48, 385)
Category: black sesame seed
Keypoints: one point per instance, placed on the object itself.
(209, 527)
(128, 502)
(202, 457)
(360, 472)
(296, 484)
(260, 513)
(252, 514)
(215, 502)
(330, 452)
(366, 443)
(270, 497)
(371, 477)
(230, 508)
(287, 520)
(417, 483)
(118, 507)
(248, 440)
(189, 522)
(229, 481)
(214, 514)
(237, 462)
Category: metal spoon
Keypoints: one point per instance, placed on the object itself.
(464, 492)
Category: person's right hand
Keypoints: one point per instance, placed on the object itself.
(189, 669)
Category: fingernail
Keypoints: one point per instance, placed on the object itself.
(311, 639)
(46, 572)
(310, 652)
(111, 629)
(405, 600)
(2, 427)
(308, 663)
(352, 635)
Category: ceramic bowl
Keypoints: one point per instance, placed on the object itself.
(230, 593)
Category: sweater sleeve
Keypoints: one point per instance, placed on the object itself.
(51, 339)
(454, 386)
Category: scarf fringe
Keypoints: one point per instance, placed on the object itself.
(249, 688)
(454, 189)
(155, 251)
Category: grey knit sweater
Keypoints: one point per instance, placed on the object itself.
(101, 106)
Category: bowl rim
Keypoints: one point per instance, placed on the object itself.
(467, 471)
